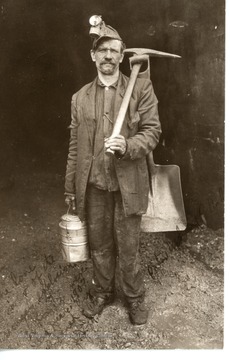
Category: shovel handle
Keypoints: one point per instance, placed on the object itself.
(151, 164)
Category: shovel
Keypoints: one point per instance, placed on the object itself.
(165, 210)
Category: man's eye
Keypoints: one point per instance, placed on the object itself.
(105, 50)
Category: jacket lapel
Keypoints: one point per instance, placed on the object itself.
(88, 105)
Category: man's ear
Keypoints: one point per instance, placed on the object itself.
(92, 53)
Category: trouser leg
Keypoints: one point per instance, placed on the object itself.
(106, 219)
(100, 227)
(127, 229)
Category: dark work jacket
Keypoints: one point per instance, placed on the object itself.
(141, 129)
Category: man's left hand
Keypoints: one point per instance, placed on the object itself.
(116, 143)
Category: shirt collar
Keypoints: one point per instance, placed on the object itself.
(100, 83)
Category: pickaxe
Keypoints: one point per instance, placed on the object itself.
(140, 55)
(165, 210)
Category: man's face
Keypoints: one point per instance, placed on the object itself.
(108, 56)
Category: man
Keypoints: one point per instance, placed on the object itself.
(111, 192)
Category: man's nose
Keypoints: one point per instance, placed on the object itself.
(108, 54)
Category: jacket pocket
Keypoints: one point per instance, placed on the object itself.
(127, 172)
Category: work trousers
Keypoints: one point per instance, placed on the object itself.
(113, 238)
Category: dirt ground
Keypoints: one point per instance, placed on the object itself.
(41, 295)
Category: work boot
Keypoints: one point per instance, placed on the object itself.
(95, 305)
(138, 312)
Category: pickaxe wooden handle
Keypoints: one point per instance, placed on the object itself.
(140, 55)
(137, 62)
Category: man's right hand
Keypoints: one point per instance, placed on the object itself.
(70, 200)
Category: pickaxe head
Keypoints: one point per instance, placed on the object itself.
(141, 55)
(150, 52)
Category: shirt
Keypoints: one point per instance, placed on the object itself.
(102, 173)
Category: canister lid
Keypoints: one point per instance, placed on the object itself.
(70, 217)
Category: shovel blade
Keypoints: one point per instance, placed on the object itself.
(165, 204)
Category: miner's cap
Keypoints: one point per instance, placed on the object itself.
(99, 30)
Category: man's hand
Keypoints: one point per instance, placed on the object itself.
(116, 143)
(70, 201)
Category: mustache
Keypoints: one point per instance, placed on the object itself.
(107, 62)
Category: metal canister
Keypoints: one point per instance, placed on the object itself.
(74, 238)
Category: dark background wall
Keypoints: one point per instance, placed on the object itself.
(45, 59)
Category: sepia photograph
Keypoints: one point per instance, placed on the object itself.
(112, 176)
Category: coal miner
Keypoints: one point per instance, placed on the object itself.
(109, 191)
